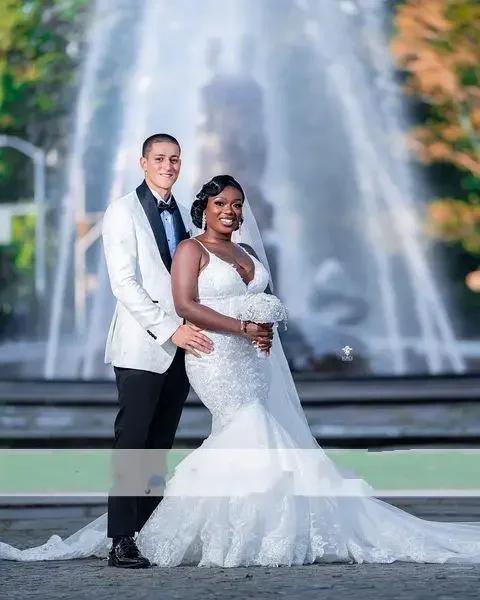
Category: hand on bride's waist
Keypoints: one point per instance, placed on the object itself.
(190, 338)
(261, 334)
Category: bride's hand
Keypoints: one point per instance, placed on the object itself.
(260, 334)
(264, 346)
(258, 331)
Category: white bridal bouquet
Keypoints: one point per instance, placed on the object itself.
(261, 308)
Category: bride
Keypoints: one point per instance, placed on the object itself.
(259, 490)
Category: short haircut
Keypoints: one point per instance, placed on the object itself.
(155, 138)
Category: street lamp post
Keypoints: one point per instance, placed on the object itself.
(38, 157)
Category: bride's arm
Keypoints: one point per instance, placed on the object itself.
(185, 270)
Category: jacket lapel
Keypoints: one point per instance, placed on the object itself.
(186, 219)
(149, 205)
(180, 231)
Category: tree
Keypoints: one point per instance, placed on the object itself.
(39, 50)
(38, 39)
(438, 45)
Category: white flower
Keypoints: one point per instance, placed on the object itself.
(262, 308)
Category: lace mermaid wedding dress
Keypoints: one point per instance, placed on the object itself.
(259, 490)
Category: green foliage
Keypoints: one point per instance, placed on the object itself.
(437, 43)
(34, 59)
(36, 68)
(21, 256)
(23, 243)
(40, 46)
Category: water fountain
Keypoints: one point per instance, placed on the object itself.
(161, 88)
(105, 17)
(383, 185)
(160, 94)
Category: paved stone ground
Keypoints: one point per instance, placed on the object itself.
(82, 579)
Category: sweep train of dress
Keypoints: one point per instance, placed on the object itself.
(259, 490)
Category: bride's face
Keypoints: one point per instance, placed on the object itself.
(224, 212)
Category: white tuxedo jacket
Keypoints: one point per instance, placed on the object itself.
(138, 263)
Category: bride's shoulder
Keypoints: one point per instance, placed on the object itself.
(189, 243)
(190, 247)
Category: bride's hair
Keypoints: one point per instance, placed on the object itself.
(215, 186)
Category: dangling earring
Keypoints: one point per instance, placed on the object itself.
(204, 221)
(239, 230)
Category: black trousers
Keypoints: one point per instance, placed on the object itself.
(150, 407)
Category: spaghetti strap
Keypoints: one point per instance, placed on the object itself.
(208, 254)
(202, 245)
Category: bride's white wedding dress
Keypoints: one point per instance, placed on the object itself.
(260, 491)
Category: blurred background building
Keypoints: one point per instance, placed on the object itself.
(354, 126)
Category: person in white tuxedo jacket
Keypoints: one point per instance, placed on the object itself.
(147, 340)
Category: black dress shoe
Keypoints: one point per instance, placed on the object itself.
(125, 554)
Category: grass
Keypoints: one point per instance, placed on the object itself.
(33, 472)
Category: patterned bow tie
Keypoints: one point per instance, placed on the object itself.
(171, 206)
